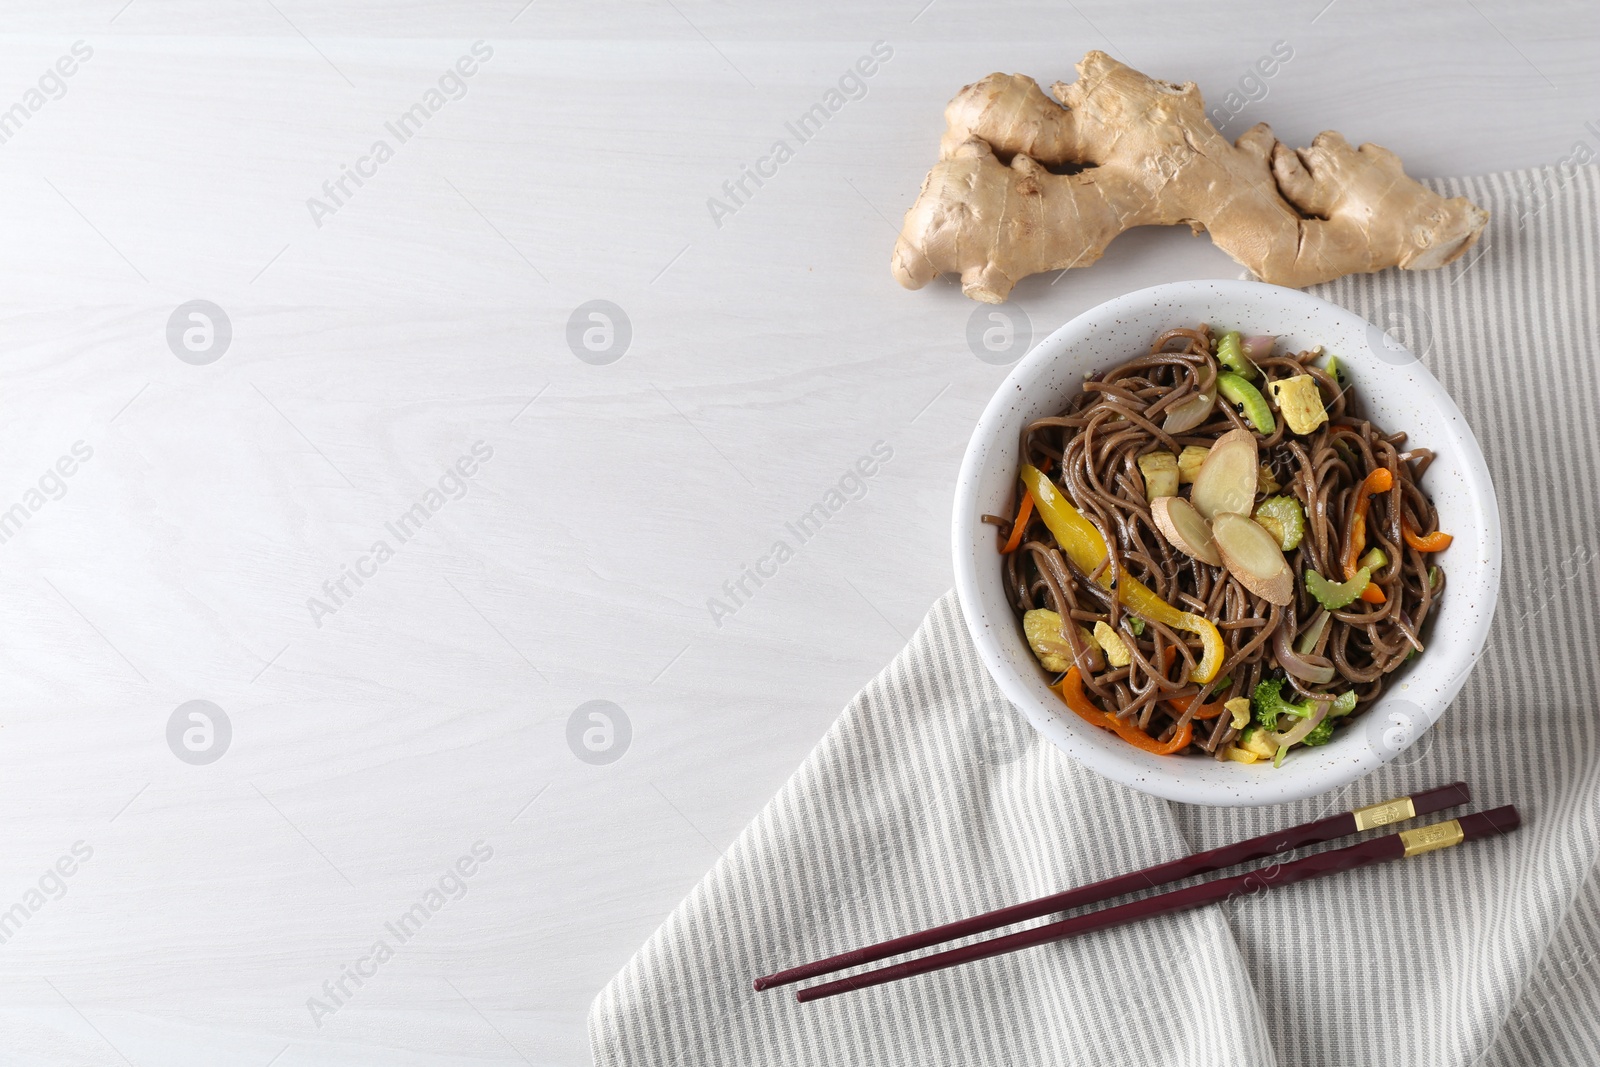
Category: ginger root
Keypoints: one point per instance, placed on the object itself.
(1025, 185)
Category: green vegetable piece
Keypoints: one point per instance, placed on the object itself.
(1136, 624)
(1249, 400)
(1335, 369)
(1230, 353)
(1375, 560)
(1267, 703)
(1321, 734)
(1283, 750)
(1433, 577)
(1284, 519)
(1335, 596)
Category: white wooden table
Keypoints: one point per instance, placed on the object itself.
(375, 715)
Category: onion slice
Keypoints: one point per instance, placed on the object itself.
(1184, 529)
(1304, 726)
(1308, 641)
(1312, 669)
(1185, 416)
(1258, 346)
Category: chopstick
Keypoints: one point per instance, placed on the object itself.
(1377, 850)
(1311, 833)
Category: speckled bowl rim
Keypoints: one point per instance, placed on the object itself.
(1398, 392)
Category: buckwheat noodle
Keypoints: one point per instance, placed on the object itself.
(1093, 449)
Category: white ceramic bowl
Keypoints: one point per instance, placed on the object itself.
(1395, 389)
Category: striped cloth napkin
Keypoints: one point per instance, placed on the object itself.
(931, 798)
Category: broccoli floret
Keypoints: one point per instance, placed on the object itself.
(1268, 704)
(1343, 705)
(1320, 735)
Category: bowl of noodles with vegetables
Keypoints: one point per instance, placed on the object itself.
(1226, 543)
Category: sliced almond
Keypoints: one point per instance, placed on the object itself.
(1252, 555)
(1184, 529)
(1226, 481)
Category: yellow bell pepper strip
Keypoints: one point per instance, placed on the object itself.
(1437, 541)
(1087, 549)
(1070, 689)
(1379, 481)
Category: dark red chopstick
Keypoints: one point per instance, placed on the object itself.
(1311, 833)
(1389, 847)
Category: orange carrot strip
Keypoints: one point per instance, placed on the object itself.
(1379, 481)
(1204, 711)
(1437, 541)
(1021, 524)
(1070, 689)
(1023, 512)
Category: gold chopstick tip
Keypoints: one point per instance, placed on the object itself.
(1384, 814)
(1431, 838)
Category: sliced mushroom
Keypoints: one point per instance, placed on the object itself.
(1226, 481)
(1184, 529)
(1252, 555)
